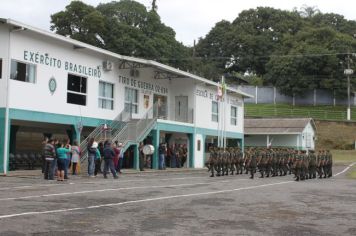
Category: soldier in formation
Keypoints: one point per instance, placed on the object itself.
(270, 162)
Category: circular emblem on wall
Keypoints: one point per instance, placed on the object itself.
(52, 85)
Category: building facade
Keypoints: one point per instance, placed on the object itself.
(51, 85)
(298, 133)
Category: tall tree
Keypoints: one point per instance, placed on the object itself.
(79, 21)
(124, 27)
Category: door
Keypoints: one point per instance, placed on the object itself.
(181, 108)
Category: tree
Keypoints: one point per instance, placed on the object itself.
(314, 58)
(79, 21)
(124, 27)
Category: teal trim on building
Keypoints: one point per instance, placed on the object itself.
(2, 136)
(212, 132)
(36, 116)
(174, 128)
(192, 150)
(136, 159)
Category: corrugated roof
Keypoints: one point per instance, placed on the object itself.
(277, 126)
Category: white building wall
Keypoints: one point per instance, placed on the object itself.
(199, 154)
(181, 87)
(4, 51)
(283, 140)
(42, 100)
(204, 97)
(308, 133)
(29, 47)
(255, 141)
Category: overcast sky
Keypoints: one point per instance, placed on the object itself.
(190, 19)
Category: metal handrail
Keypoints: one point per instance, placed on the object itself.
(115, 126)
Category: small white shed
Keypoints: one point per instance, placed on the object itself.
(297, 133)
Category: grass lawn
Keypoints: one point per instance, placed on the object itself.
(352, 173)
(344, 156)
(287, 110)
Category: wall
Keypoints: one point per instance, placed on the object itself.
(34, 43)
(199, 154)
(285, 140)
(4, 51)
(270, 95)
(204, 97)
(181, 87)
(309, 130)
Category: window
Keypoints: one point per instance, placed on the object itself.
(215, 111)
(106, 95)
(0, 68)
(77, 90)
(233, 120)
(23, 72)
(131, 100)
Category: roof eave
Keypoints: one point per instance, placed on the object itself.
(115, 55)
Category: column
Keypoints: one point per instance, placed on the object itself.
(191, 150)
(13, 133)
(136, 158)
(155, 143)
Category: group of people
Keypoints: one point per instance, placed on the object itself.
(270, 162)
(59, 157)
(108, 152)
(174, 156)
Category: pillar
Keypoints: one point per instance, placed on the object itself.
(136, 157)
(191, 150)
(4, 157)
(13, 134)
(155, 143)
(70, 134)
(203, 148)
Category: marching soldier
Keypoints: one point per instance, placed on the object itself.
(312, 165)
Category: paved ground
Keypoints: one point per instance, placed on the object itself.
(171, 203)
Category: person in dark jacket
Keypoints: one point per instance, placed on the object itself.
(92, 146)
(109, 155)
(50, 158)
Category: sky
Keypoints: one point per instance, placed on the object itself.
(190, 19)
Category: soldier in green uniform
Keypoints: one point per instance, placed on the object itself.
(210, 162)
(261, 163)
(298, 166)
(252, 164)
(320, 163)
(312, 164)
(329, 164)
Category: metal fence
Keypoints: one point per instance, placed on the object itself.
(270, 95)
(292, 113)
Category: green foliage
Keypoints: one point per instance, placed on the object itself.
(79, 21)
(125, 27)
(293, 51)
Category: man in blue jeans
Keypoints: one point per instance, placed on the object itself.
(109, 155)
(162, 150)
(50, 158)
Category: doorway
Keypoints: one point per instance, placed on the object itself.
(181, 108)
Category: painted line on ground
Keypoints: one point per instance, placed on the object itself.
(153, 199)
(346, 169)
(140, 201)
(96, 182)
(111, 190)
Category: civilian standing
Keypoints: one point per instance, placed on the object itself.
(92, 148)
(75, 150)
(62, 157)
(50, 155)
(109, 155)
